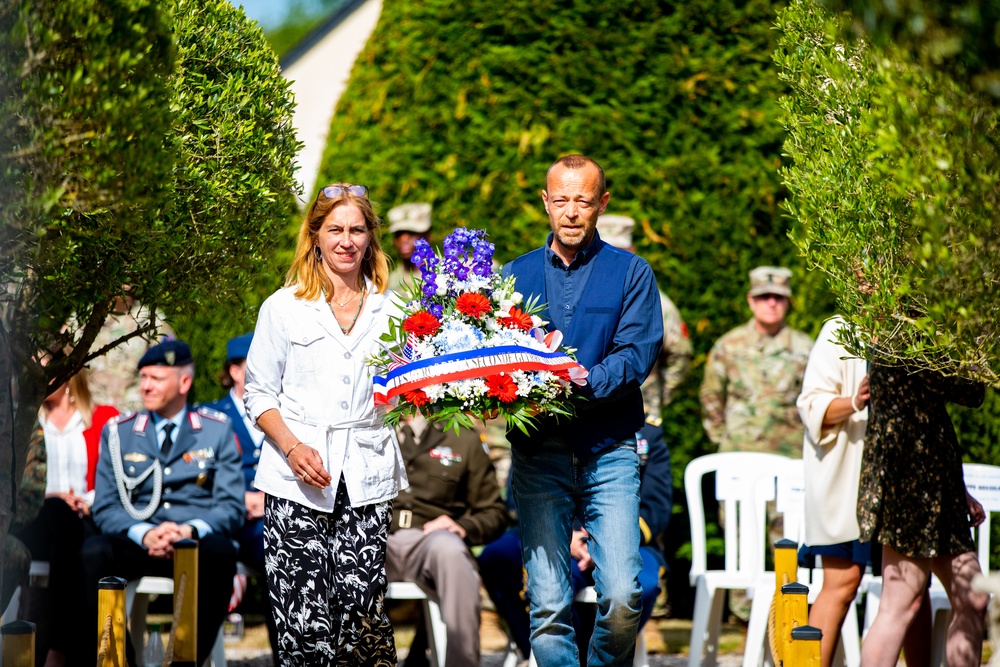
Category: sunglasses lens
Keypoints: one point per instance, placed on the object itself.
(332, 191)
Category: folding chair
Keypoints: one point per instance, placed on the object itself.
(437, 631)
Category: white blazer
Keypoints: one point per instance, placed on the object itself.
(303, 365)
(831, 454)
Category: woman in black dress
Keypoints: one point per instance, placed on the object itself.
(913, 501)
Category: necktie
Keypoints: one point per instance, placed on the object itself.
(167, 440)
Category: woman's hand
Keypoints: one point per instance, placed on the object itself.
(862, 396)
(976, 512)
(307, 465)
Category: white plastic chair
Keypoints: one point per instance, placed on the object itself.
(983, 483)
(737, 475)
(437, 631)
(788, 490)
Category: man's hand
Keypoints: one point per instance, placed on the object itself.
(159, 541)
(578, 550)
(444, 522)
(255, 504)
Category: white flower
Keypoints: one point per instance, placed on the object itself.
(435, 392)
(457, 336)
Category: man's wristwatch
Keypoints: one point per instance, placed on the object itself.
(194, 531)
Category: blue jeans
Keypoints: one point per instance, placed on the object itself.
(553, 487)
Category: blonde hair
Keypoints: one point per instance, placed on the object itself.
(79, 396)
(306, 272)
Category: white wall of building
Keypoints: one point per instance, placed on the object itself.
(318, 78)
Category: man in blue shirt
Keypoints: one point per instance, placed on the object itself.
(606, 304)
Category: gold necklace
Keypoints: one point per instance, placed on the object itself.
(346, 331)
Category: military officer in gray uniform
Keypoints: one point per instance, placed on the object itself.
(407, 224)
(165, 474)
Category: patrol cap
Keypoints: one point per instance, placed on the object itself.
(616, 230)
(239, 347)
(168, 353)
(771, 280)
(414, 218)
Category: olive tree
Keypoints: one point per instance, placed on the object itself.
(147, 150)
(894, 193)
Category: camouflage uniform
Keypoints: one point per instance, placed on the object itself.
(751, 383)
(400, 279)
(672, 364)
(112, 377)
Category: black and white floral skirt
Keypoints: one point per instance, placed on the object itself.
(327, 583)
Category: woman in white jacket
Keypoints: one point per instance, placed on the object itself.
(330, 467)
(834, 409)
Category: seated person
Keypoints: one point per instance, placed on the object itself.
(250, 439)
(501, 561)
(165, 474)
(453, 503)
(53, 508)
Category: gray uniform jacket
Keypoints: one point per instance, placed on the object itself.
(202, 475)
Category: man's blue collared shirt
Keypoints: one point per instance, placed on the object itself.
(640, 330)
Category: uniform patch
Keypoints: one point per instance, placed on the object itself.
(214, 415)
(140, 423)
(195, 420)
(199, 455)
(134, 457)
(445, 455)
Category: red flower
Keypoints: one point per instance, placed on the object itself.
(416, 397)
(421, 323)
(563, 375)
(518, 319)
(473, 304)
(502, 387)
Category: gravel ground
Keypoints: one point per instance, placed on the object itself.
(496, 660)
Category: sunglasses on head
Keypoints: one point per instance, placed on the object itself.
(332, 191)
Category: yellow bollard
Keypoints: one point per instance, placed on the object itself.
(794, 614)
(111, 622)
(786, 570)
(805, 647)
(183, 645)
(18, 644)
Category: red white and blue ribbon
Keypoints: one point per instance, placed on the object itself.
(472, 364)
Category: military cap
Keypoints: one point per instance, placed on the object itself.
(616, 230)
(167, 353)
(771, 280)
(414, 218)
(239, 347)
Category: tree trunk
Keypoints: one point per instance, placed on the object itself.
(19, 404)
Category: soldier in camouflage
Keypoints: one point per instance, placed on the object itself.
(753, 375)
(407, 223)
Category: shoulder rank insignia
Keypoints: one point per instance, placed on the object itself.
(653, 420)
(134, 457)
(122, 418)
(212, 414)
